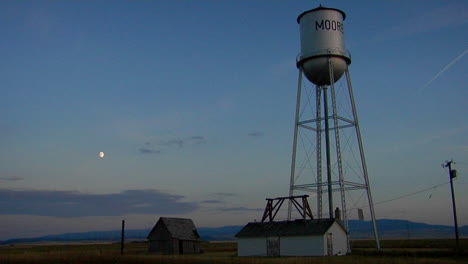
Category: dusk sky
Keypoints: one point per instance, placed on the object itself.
(193, 104)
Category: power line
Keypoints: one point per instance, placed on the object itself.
(403, 196)
(410, 194)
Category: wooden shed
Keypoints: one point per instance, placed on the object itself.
(318, 237)
(174, 236)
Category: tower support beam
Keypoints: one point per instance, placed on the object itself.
(318, 117)
(328, 151)
(296, 127)
(363, 158)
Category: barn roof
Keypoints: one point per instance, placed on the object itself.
(287, 228)
(180, 228)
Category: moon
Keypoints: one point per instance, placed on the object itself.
(101, 154)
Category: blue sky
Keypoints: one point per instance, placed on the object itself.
(193, 104)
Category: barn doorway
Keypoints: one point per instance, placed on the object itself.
(181, 247)
(273, 246)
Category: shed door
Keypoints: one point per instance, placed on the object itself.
(273, 246)
(330, 244)
(181, 247)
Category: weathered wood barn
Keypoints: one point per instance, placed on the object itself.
(319, 237)
(174, 236)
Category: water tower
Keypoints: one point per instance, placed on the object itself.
(323, 61)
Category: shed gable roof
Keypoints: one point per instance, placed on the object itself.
(179, 228)
(287, 228)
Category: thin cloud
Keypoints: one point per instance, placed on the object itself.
(240, 209)
(173, 142)
(149, 151)
(223, 194)
(196, 140)
(219, 198)
(178, 143)
(212, 202)
(75, 204)
(255, 134)
(444, 69)
(11, 179)
(182, 142)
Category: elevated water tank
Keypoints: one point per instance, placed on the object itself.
(322, 36)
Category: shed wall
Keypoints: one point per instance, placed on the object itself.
(174, 246)
(340, 244)
(251, 247)
(191, 247)
(161, 246)
(302, 246)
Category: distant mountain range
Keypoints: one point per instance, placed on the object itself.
(388, 229)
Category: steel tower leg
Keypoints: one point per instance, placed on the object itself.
(318, 117)
(338, 157)
(296, 127)
(338, 151)
(363, 159)
(337, 141)
(328, 152)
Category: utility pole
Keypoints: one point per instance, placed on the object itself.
(453, 174)
(122, 238)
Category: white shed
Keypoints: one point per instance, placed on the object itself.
(321, 237)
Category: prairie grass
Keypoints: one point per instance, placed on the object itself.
(409, 243)
(219, 252)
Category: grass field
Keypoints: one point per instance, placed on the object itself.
(395, 251)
